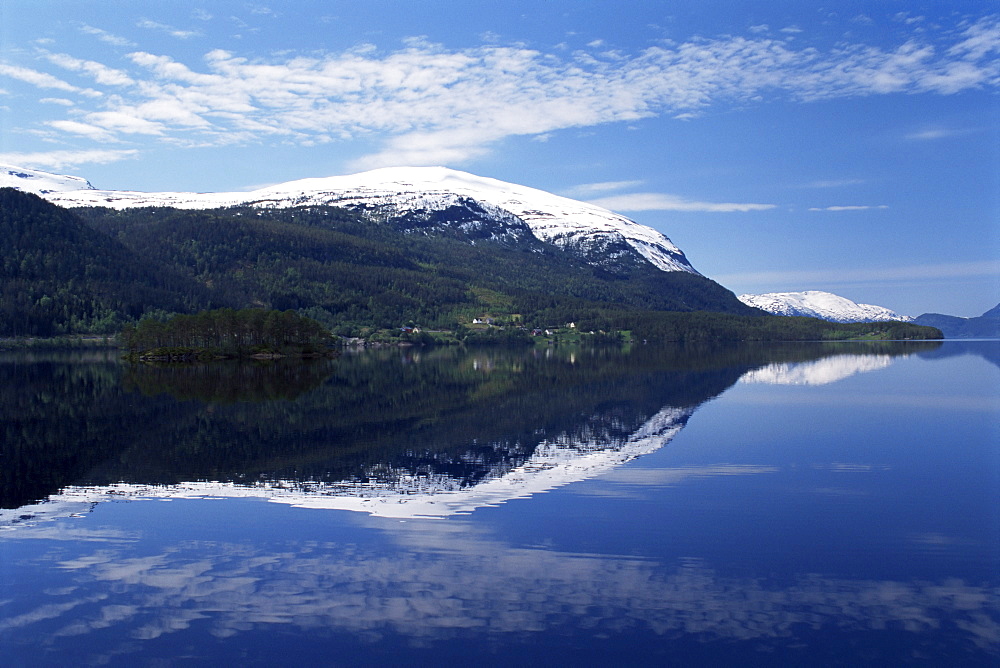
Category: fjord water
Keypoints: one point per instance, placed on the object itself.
(800, 504)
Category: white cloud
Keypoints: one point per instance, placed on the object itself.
(833, 183)
(589, 189)
(665, 202)
(106, 37)
(101, 74)
(839, 276)
(904, 17)
(849, 207)
(170, 30)
(57, 100)
(433, 105)
(261, 10)
(83, 129)
(36, 78)
(66, 159)
(930, 134)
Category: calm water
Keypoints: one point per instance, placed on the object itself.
(783, 505)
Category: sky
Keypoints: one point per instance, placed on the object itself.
(845, 146)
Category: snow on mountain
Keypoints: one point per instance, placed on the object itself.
(40, 183)
(594, 232)
(824, 305)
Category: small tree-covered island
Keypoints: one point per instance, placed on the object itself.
(226, 333)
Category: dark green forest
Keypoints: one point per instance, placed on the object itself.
(226, 332)
(96, 270)
(60, 276)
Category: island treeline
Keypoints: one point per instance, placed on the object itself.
(95, 270)
(226, 332)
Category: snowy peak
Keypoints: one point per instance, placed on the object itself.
(600, 236)
(40, 183)
(823, 305)
(553, 219)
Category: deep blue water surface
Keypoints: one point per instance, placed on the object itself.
(782, 505)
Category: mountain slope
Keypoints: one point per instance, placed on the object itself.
(823, 305)
(602, 237)
(394, 252)
(350, 273)
(59, 276)
(38, 182)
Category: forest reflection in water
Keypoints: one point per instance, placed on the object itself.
(812, 516)
(439, 419)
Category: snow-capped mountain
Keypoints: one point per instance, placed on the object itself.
(824, 305)
(40, 183)
(420, 194)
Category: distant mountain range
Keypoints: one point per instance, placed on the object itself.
(986, 326)
(823, 305)
(828, 306)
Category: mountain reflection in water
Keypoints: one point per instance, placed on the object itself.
(401, 433)
(833, 508)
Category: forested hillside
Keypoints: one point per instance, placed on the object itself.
(59, 276)
(351, 273)
(94, 270)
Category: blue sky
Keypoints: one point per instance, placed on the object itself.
(851, 147)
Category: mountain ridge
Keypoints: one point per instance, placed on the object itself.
(586, 229)
(985, 326)
(327, 263)
(371, 261)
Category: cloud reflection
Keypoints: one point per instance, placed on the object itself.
(448, 580)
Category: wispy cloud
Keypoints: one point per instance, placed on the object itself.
(101, 74)
(590, 189)
(849, 207)
(107, 37)
(833, 183)
(67, 159)
(841, 276)
(665, 202)
(933, 134)
(430, 105)
(57, 100)
(169, 30)
(38, 79)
